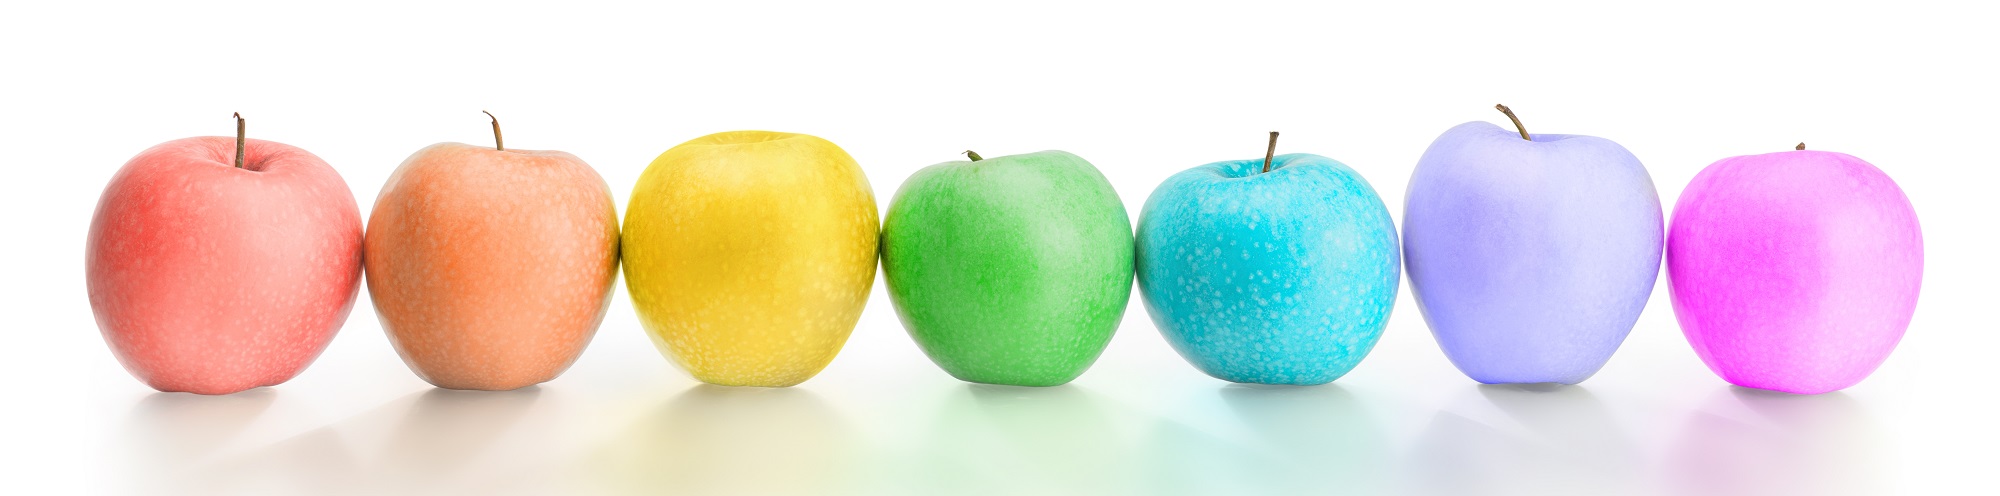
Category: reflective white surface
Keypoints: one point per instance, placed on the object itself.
(1141, 422)
(968, 438)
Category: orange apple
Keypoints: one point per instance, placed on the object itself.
(491, 268)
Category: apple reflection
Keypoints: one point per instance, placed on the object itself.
(732, 440)
(1751, 441)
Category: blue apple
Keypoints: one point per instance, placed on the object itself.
(1530, 256)
(1283, 276)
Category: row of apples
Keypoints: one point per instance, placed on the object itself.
(749, 256)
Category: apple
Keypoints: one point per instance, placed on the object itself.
(1794, 271)
(1012, 270)
(490, 267)
(1530, 256)
(749, 255)
(1279, 271)
(217, 265)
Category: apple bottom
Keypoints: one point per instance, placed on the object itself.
(198, 340)
(1281, 353)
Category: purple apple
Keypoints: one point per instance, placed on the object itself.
(1530, 255)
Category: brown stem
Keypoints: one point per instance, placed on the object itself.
(973, 155)
(1517, 121)
(497, 144)
(239, 138)
(1802, 146)
(1270, 150)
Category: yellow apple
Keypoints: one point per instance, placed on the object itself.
(749, 255)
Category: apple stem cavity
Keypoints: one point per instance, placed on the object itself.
(973, 155)
(1517, 121)
(497, 144)
(239, 138)
(1802, 146)
(1270, 150)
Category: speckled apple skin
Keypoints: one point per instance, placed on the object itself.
(491, 269)
(1794, 271)
(210, 279)
(750, 254)
(1530, 260)
(1011, 270)
(1283, 277)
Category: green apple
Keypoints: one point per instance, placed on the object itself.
(1013, 270)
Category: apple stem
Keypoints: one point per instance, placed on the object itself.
(239, 138)
(1517, 121)
(973, 155)
(497, 144)
(1269, 150)
(1802, 146)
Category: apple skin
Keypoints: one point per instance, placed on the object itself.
(210, 279)
(750, 254)
(1011, 270)
(1281, 277)
(1795, 271)
(491, 269)
(1530, 260)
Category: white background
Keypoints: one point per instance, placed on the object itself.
(1142, 91)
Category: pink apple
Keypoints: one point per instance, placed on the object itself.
(209, 278)
(1794, 271)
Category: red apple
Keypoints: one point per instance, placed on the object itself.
(217, 265)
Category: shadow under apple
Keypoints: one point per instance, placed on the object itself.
(1750, 441)
(437, 440)
(732, 440)
(1320, 438)
(445, 431)
(1525, 439)
(183, 428)
(319, 461)
(167, 436)
(1192, 448)
(1019, 440)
